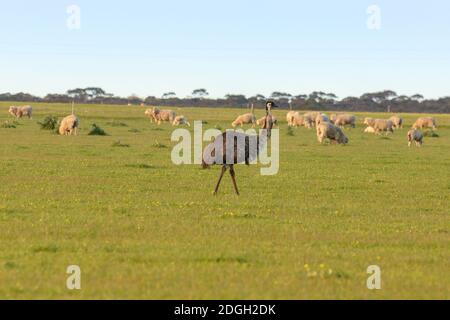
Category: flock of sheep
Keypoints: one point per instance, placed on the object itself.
(332, 127)
(326, 127)
(68, 126)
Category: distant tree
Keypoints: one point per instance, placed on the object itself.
(169, 95)
(93, 92)
(322, 97)
(380, 97)
(134, 99)
(78, 94)
(417, 97)
(238, 99)
(200, 93)
(90, 93)
(280, 95)
(401, 98)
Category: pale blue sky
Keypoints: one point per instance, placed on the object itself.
(234, 46)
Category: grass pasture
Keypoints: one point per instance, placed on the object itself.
(142, 228)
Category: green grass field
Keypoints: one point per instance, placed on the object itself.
(142, 228)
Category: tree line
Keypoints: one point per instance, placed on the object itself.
(384, 101)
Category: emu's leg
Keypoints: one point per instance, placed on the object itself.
(233, 177)
(224, 168)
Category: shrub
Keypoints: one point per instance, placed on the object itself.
(97, 131)
(8, 125)
(49, 123)
(290, 132)
(120, 144)
(431, 134)
(140, 166)
(117, 124)
(159, 145)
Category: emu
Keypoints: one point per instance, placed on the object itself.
(231, 148)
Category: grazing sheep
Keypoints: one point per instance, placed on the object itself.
(416, 136)
(369, 130)
(163, 115)
(397, 122)
(20, 112)
(149, 113)
(69, 126)
(321, 118)
(310, 119)
(181, 120)
(298, 120)
(379, 125)
(294, 119)
(342, 120)
(290, 116)
(261, 122)
(327, 130)
(425, 123)
(248, 118)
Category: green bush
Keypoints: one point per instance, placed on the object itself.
(97, 131)
(120, 144)
(431, 134)
(290, 132)
(159, 145)
(8, 125)
(49, 123)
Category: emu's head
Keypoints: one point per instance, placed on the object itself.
(270, 105)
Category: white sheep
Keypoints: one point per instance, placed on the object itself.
(416, 136)
(69, 126)
(181, 120)
(20, 112)
(327, 130)
(248, 118)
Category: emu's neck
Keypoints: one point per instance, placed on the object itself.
(262, 139)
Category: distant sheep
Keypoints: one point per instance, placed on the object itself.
(150, 114)
(69, 126)
(321, 118)
(416, 136)
(328, 130)
(262, 121)
(379, 125)
(290, 116)
(181, 120)
(369, 130)
(342, 120)
(370, 122)
(20, 112)
(163, 115)
(310, 119)
(248, 118)
(425, 123)
(397, 122)
(298, 120)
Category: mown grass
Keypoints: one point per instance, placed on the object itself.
(142, 228)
